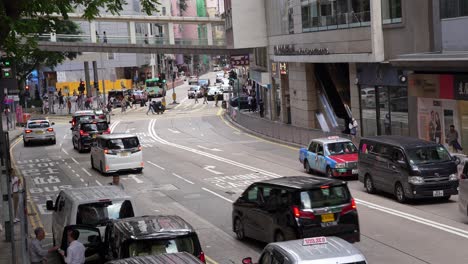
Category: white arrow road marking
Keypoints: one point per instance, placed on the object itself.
(211, 169)
(134, 177)
(174, 131)
(213, 149)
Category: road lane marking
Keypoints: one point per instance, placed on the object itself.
(114, 125)
(134, 177)
(156, 165)
(181, 102)
(414, 218)
(64, 151)
(210, 260)
(219, 195)
(174, 131)
(75, 161)
(211, 168)
(212, 149)
(98, 183)
(182, 178)
(87, 172)
(81, 180)
(73, 171)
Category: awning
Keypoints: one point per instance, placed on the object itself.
(448, 60)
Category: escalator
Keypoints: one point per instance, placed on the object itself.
(331, 101)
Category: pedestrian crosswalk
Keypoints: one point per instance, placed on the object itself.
(185, 106)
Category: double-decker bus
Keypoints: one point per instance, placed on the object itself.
(155, 87)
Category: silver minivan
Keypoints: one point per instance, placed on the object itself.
(314, 250)
(463, 190)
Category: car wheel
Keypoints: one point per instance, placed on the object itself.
(74, 144)
(25, 143)
(101, 169)
(329, 172)
(400, 193)
(239, 229)
(139, 170)
(54, 141)
(445, 198)
(307, 166)
(369, 184)
(80, 147)
(279, 236)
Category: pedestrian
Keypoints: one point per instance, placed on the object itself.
(15, 188)
(249, 101)
(75, 250)
(105, 37)
(353, 126)
(37, 253)
(97, 37)
(216, 99)
(163, 102)
(151, 107)
(116, 182)
(61, 102)
(452, 139)
(8, 117)
(45, 106)
(88, 103)
(196, 95)
(69, 105)
(205, 95)
(261, 107)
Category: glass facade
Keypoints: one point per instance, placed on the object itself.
(453, 8)
(391, 11)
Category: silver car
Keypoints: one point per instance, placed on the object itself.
(38, 130)
(315, 250)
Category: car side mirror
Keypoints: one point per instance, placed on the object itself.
(456, 159)
(402, 163)
(247, 260)
(50, 205)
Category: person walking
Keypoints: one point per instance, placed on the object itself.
(69, 105)
(37, 253)
(75, 251)
(105, 37)
(8, 117)
(97, 37)
(196, 95)
(116, 182)
(151, 107)
(205, 95)
(250, 102)
(353, 126)
(216, 99)
(61, 102)
(15, 188)
(452, 139)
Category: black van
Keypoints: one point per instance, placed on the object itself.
(407, 167)
(151, 235)
(289, 208)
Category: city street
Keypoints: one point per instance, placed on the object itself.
(197, 164)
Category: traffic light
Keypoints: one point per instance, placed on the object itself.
(96, 85)
(26, 91)
(26, 88)
(6, 67)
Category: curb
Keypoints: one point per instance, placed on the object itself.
(279, 141)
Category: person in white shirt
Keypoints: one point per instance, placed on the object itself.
(75, 250)
(15, 186)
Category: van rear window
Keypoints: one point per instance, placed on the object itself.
(101, 126)
(163, 246)
(123, 143)
(96, 214)
(332, 196)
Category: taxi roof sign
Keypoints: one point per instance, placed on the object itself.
(333, 137)
(314, 241)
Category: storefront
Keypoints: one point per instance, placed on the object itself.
(383, 100)
(262, 87)
(280, 84)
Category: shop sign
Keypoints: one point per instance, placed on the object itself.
(461, 87)
(283, 68)
(274, 69)
(241, 60)
(291, 50)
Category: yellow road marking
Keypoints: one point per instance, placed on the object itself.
(210, 260)
(36, 218)
(253, 136)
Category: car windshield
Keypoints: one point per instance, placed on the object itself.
(428, 155)
(151, 84)
(123, 143)
(193, 88)
(100, 213)
(332, 196)
(162, 246)
(340, 148)
(39, 124)
(101, 126)
(83, 118)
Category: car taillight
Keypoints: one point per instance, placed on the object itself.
(27, 131)
(83, 133)
(50, 129)
(108, 131)
(202, 257)
(350, 207)
(73, 123)
(102, 117)
(298, 213)
(106, 151)
(139, 148)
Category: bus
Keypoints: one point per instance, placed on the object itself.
(155, 88)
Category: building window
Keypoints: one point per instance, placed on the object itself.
(163, 9)
(291, 20)
(453, 8)
(391, 11)
(261, 57)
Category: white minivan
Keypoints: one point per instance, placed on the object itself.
(87, 210)
(116, 152)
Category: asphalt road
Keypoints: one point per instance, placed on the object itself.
(197, 164)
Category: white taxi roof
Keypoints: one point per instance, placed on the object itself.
(331, 139)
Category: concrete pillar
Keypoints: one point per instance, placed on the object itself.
(377, 31)
(170, 31)
(92, 31)
(303, 92)
(87, 79)
(354, 92)
(209, 34)
(132, 32)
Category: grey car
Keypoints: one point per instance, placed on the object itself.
(315, 250)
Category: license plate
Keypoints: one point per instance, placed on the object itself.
(355, 171)
(342, 170)
(438, 193)
(39, 132)
(123, 154)
(328, 218)
(94, 135)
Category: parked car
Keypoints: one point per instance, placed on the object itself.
(463, 190)
(407, 167)
(39, 130)
(193, 80)
(296, 207)
(332, 156)
(180, 257)
(314, 250)
(88, 210)
(193, 91)
(151, 235)
(117, 152)
(244, 103)
(139, 96)
(85, 132)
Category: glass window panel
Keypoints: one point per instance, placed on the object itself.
(399, 110)
(369, 114)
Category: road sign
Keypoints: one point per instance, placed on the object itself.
(240, 60)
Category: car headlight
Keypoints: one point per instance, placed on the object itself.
(453, 177)
(340, 165)
(416, 180)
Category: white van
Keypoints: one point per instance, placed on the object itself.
(116, 152)
(88, 210)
